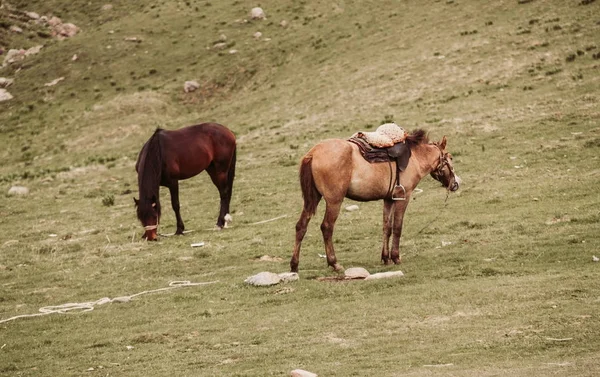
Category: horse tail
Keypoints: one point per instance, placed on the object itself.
(310, 194)
(231, 171)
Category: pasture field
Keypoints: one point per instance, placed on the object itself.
(499, 279)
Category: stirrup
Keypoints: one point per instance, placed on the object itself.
(403, 190)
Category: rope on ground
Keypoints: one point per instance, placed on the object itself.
(89, 306)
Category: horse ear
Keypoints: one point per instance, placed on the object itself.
(137, 202)
(443, 143)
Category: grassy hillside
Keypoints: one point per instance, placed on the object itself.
(499, 279)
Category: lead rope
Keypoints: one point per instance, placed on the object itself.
(89, 306)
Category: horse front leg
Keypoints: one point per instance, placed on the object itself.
(332, 212)
(301, 227)
(387, 230)
(174, 190)
(399, 210)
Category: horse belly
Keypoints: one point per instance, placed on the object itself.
(370, 181)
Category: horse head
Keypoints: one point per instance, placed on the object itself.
(148, 212)
(444, 171)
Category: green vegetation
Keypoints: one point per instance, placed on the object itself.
(499, 280)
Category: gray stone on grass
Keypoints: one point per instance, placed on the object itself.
(263, 279)
(18, 190)
(258, 14)
(356, 273)
(286, 277)
(190, 86)
(302, 373)
(384, 275)
(352, 208)
(5, 83)
(5, 95)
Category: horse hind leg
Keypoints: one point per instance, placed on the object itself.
(221, 181)
(301, 227)
(332, 212)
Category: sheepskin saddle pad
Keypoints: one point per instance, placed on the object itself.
(392, 144)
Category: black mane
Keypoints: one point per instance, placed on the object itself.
(150, 166)
(417, 137)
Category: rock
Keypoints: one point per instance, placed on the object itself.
(283, 24)
(286, 277)
(13, 56)
(219, 46)
(352, 208)
(595, 258)
(54, 21)
(384, 275)
(54, 82)
(263, 279)
(233, 52)
(67, 30)
(32, 51)
(5, 95)
(106, 7)
(356, 273)
(190, 86)
(18, 190)
(301, 373)
(257, 14)
(257, 35)
(16, 29)
(32, 15)
(5, 83)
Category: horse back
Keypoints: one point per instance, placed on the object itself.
(190, 150)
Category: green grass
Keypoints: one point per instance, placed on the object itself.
(499, 280)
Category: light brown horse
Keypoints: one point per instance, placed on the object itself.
(335, 169)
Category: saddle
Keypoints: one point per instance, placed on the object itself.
(398, 152)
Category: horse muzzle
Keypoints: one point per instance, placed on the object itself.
(455, 184)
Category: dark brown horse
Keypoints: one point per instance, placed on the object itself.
(170, 156)
(335, 169)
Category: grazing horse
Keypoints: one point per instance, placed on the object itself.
(170, 156)
(335, 169)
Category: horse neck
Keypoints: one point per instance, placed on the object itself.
(428, 158)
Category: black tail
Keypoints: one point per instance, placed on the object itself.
(310, 194)
(231, 172)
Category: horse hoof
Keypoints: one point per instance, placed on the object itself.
(397, 261)
(338, 268)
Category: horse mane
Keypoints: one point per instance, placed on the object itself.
(417, 137)
(149, 174)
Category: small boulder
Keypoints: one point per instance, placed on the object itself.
(257, 35)
(352, 208)
(263, 279)
(356, 273)
(258, 14)
(5, 95)
(384, 275)
(301, 373)
(5, 83)
(283, 24)
(18, 190)
(32, 15)
(286, 277)
(16, 29)
(190, 86)
(106, 7)
(219, 46)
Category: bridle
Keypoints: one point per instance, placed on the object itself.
(438, 173)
